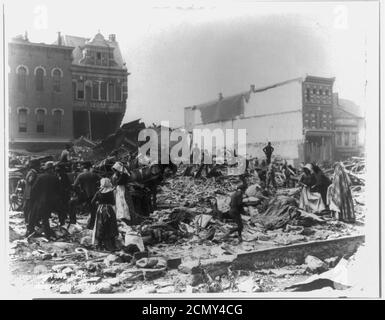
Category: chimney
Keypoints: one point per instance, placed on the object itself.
(252, 88)
(26, 35)
(220, 96)
(59, 39)
(112, 37)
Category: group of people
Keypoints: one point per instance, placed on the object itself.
(50, 190)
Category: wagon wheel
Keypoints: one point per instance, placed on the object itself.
(15, 202)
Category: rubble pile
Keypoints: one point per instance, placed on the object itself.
(188, 228)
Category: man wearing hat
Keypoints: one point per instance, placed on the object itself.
(30, 179)
(45, 198)
(65, 155)
(236, 209)
(87, 181)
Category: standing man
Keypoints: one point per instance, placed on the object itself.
(268, 150)
(65, 155)
(30, 180)
(270, 176)
(87, 181)
(236, 209)
(45, 197)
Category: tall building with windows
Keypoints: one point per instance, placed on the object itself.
(59, 92)
(40, 95)
(99, 85)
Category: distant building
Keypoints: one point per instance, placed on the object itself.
(99, 85)
(40, 95)
(297, 116)
(349, 125)
(58, 92)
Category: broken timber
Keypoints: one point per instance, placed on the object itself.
(276, 257)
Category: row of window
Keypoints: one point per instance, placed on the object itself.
(99, 90)
(320, 92)
(347, 139)
(22, 73)
(40, 119)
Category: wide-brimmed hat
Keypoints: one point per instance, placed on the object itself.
(118, 166)
(49, 165)
(309, 166)
(105, 185)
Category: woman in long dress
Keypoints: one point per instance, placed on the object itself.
(339, 195)
(310, 201)
(105, 228)
(120, 179)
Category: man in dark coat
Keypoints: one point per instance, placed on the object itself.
(87, 181)
(268, 150)
(46, 198)
(30, 180)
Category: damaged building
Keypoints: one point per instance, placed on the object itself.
(298, 116)
(62, 91)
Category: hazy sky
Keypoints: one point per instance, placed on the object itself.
(179, 56)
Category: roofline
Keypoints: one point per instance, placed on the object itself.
(320, 79)
(350, 113)
(43, 45)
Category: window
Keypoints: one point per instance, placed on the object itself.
(74, 90)
(320, 92)
(98, 55)
(314, 91)
(354, 139)
(57, 120)
(118, 92)
(88, 90)
(95, 90)
(39, 79)
(124, 91)
(22, 115)
(339, 138)
(308, 94)
(22, 79)
(346, 139)
(103, 91)
(111, 91)
(80, 90)
(327, 92)
(56, 75)
(40, 114)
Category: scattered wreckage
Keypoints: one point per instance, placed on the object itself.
(181, 244)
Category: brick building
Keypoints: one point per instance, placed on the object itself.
(298, 116)
(99, 85)
(58, 92)
(40, 95)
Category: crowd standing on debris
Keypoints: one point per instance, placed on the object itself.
(111, 191)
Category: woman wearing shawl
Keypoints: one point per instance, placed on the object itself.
(310, 201)
(339, 196)
(105, 228)
(120, 178)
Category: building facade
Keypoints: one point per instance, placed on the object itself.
(99, 85)
(297, 116)
(59, 92)
(40, 95)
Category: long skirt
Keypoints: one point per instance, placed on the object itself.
(311, 201)
(106, 227)
(122, 210)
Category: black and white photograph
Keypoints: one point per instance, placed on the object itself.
(191, 149)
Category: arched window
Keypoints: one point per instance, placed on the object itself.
(80, 90)
(56, 79)
(22, 78)
(22, 119)
(57, 120)
(40, 119)
(39, 79)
